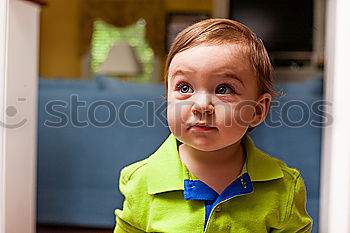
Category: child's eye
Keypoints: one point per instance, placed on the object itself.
(224, 89)
(184, 88)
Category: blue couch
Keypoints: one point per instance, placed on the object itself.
(292, 133)
(88, 131)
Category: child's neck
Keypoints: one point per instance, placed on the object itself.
(215, 168)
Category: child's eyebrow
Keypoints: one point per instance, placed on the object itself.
(231, 75)
(182, 72)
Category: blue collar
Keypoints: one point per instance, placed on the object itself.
(197, 190)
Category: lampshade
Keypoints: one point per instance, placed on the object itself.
(121, 60)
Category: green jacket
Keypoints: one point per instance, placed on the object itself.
(154, 197)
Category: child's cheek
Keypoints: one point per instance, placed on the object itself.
(233, 115)
(244, 113)
(177, 114)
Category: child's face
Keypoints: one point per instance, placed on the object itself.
(213, 96)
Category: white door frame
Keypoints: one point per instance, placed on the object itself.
(3, 75)
(19, 36)
(335, 169)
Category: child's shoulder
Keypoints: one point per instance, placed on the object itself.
(264, 167)
(137, 172)
(288, 172)
(164, 157)
(135, 168)
(290, 176)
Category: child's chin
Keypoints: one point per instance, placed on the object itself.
(208, 149)
(205, 146)
(201, 142)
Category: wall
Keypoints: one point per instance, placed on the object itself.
(59, 36)
(189, 5)
(179, 6)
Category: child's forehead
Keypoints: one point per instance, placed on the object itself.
(239, 47)
(219, 58)
(230, 50)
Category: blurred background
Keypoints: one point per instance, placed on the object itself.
(75, 38)
(100, 105)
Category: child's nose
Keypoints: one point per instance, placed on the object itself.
(202, 104)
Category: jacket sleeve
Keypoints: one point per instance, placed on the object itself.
(124, 227)
(297, 219)
(124, 217)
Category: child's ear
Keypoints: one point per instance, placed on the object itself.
(261, 109)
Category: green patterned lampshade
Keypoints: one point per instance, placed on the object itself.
(121, 61)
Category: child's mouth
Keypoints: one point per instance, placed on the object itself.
(199, 127)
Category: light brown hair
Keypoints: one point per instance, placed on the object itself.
(225, 31)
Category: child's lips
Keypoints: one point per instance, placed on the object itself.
(201, 127)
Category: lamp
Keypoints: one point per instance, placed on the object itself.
(121, 61)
